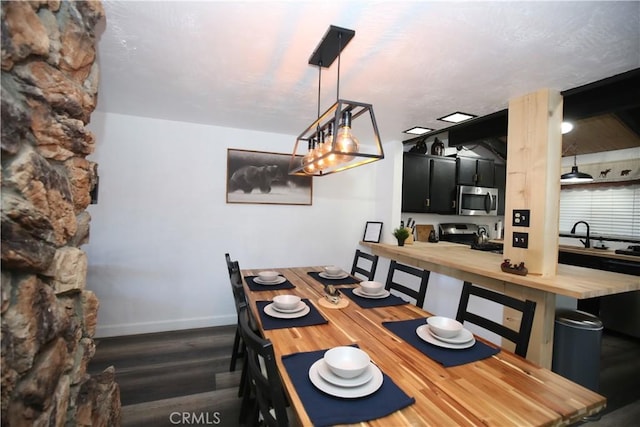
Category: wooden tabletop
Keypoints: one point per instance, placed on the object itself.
(501, 390)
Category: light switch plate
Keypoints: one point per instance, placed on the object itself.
(521, 217)
(520, 240)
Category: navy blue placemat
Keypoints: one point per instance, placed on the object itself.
(258, 287)
(406, 329)
(326, 410)
(312, 318)
(373, 302)
(349, 280)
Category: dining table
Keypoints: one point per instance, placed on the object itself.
(480, 385)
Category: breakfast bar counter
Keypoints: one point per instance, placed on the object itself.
(483, 268)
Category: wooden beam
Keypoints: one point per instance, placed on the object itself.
(534, 150)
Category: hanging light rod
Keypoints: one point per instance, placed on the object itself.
(330, 142)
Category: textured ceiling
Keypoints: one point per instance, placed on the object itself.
(245, 64)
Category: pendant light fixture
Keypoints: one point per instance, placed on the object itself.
(330, 143)
(575, 176)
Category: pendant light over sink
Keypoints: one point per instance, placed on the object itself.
(575, 176)
(336, 140)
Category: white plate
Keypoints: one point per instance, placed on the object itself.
(270, 311)
(346, 392)
(338, 277)
(385, 293)
(301, 305)
(424, 333)
(279, 280)
(463, 337)
(327, 375)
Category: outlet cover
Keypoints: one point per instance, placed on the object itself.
(521, 217)
(521, 240)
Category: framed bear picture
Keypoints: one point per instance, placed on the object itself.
(263, 178)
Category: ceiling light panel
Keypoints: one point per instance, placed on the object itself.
(457, 117)
(417, 130)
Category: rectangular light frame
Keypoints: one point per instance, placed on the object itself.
(333, 114)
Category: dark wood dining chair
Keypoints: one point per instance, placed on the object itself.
(371, 262)
(239, 297)
(394, 281)
(227, 258)
(519, 337)
(263, 377)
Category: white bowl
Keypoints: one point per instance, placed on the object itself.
(268, 276)
(371, 288)
(346, 361)
(444, 327)
(332, 270)
(286, 302)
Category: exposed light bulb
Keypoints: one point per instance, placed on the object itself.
(319, 151)
(345, 141)
(307, 161)
(327, 146)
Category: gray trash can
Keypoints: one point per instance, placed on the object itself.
(576, 347)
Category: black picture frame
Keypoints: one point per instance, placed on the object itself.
(372, 232)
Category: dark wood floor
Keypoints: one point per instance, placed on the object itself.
(167, 376)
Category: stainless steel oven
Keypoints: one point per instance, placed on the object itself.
(477, 200)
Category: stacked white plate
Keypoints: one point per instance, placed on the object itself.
(362, 293)
(464, 339)
(341, 275)
(350, 388)
(300, 310)
(278, 280)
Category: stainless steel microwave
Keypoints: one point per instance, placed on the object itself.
(477, 200)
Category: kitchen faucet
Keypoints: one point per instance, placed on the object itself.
(587, 242)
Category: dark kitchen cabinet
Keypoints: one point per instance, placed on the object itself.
(428, 184)
(476, 172)
(500, 182)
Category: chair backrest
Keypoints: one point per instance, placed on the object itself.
(227, 257)
(235, 278)
(264, 375)
(368, 273)
(527, 308)
(393, 281)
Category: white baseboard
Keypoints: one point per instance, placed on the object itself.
(104, 331)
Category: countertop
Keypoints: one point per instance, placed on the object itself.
(604, 253)
(451, 259)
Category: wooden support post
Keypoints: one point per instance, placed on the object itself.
(534, 150)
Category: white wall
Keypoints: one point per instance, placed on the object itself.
(162, 225)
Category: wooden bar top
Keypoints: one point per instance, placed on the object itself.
(500, 390)
(449, 258)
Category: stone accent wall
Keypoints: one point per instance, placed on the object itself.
(49, 90)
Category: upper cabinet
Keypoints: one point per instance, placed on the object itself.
(428, 184)
(476, 172)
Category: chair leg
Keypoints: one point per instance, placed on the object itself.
(243, 379)
(236, 351)
(249, 405)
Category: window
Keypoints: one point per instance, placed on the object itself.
(608, 210)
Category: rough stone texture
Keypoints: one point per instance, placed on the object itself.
(68, 270)
(49, 90)
(47, 188)
(82, 234)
